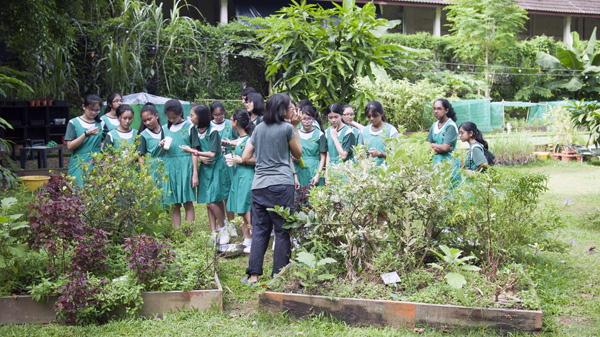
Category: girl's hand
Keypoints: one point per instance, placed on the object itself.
(92, 131)
(225, 141)
(161, 143)
(315, 180)
(236, 159)
(296, 182)
(296, 118)
(205, 160)
(373, 153)
(194, 181)
(334, 133)
(186, 148)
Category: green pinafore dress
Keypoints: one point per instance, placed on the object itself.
(214, 182)
(313, 143)
(376, 139)
(120, 140)
(110, 123)
(239, 199)
(91, 144)
(153, 156)
(437, 135)
(178, 164)
(346, 139)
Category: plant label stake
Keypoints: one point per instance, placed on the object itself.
(390, 278)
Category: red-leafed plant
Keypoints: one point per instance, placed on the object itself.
(148, 258)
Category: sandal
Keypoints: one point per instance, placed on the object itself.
(245, 281)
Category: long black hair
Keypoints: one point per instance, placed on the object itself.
(91, 100)
(203, 115)
(276, 107)
(122, 108)
(217, 105)
(472, 127)
(242, 117)
(173, 106)
(451, 114)
(335, 108)
(151, 108)
(376, 108)
(258, 101)
(110, 99)
(248, 90)
(312, 112)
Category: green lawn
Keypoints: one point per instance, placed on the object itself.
(568, 284)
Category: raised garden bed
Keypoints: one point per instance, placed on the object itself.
(23, 309)
(381, 313)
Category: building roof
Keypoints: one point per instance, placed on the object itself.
(582, 7)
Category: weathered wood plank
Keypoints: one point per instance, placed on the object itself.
(362, 312)
(23, 309)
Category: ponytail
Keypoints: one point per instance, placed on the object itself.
(472, 127)
(450, 114)
(243, 118)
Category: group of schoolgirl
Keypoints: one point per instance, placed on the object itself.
(190, 150)
(443, 136)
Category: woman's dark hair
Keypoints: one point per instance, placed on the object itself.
(175, 107)
(376, 108)
(335, 108)
(151, 108)
(248, 90)
(472, 127)
(91, 100)
(217, 105)
(243, 118)
(122, 108)
(111, 98)
(451, 114)
(346, 106)
(259, 103)
(312, 112)
(276, 107)
(305, 102)
(203, 115)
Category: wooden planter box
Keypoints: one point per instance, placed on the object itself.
(361, 312)
(23, 309)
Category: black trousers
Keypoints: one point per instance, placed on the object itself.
(264, 221)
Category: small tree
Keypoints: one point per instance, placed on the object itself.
(316, 53)
(484, 31)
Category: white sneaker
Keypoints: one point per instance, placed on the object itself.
(231, 229)
(223, 237)
(213, 237)
(248, 245)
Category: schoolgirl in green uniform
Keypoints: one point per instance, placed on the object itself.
(150, 135)
(84, 136)
(373, 136)
(348, 116)
(317, 122)
(255, 105)
(239, 199)
(476, 160)
(213, 177)
(227, 133)
(180, 166)
(443, 135)
(113, 101)
(123, 135)
(340, 137)
(314, 151)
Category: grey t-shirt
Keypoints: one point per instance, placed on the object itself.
(272, 151)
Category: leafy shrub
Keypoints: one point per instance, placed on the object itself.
(78, 298)
(364, 203)
(118, 196)
(148, 259)
(499, 218)
(12, 250)
(404, 102)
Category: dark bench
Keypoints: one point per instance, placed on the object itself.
(42, 153)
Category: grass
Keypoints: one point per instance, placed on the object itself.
(568, 284)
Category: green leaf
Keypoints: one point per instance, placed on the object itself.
(307, 259)
(568, 59)
(437, 266)
(548, 61)
(574, 84)
(326, 261)
(469, 267)
(323, 277)
(455, 280)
